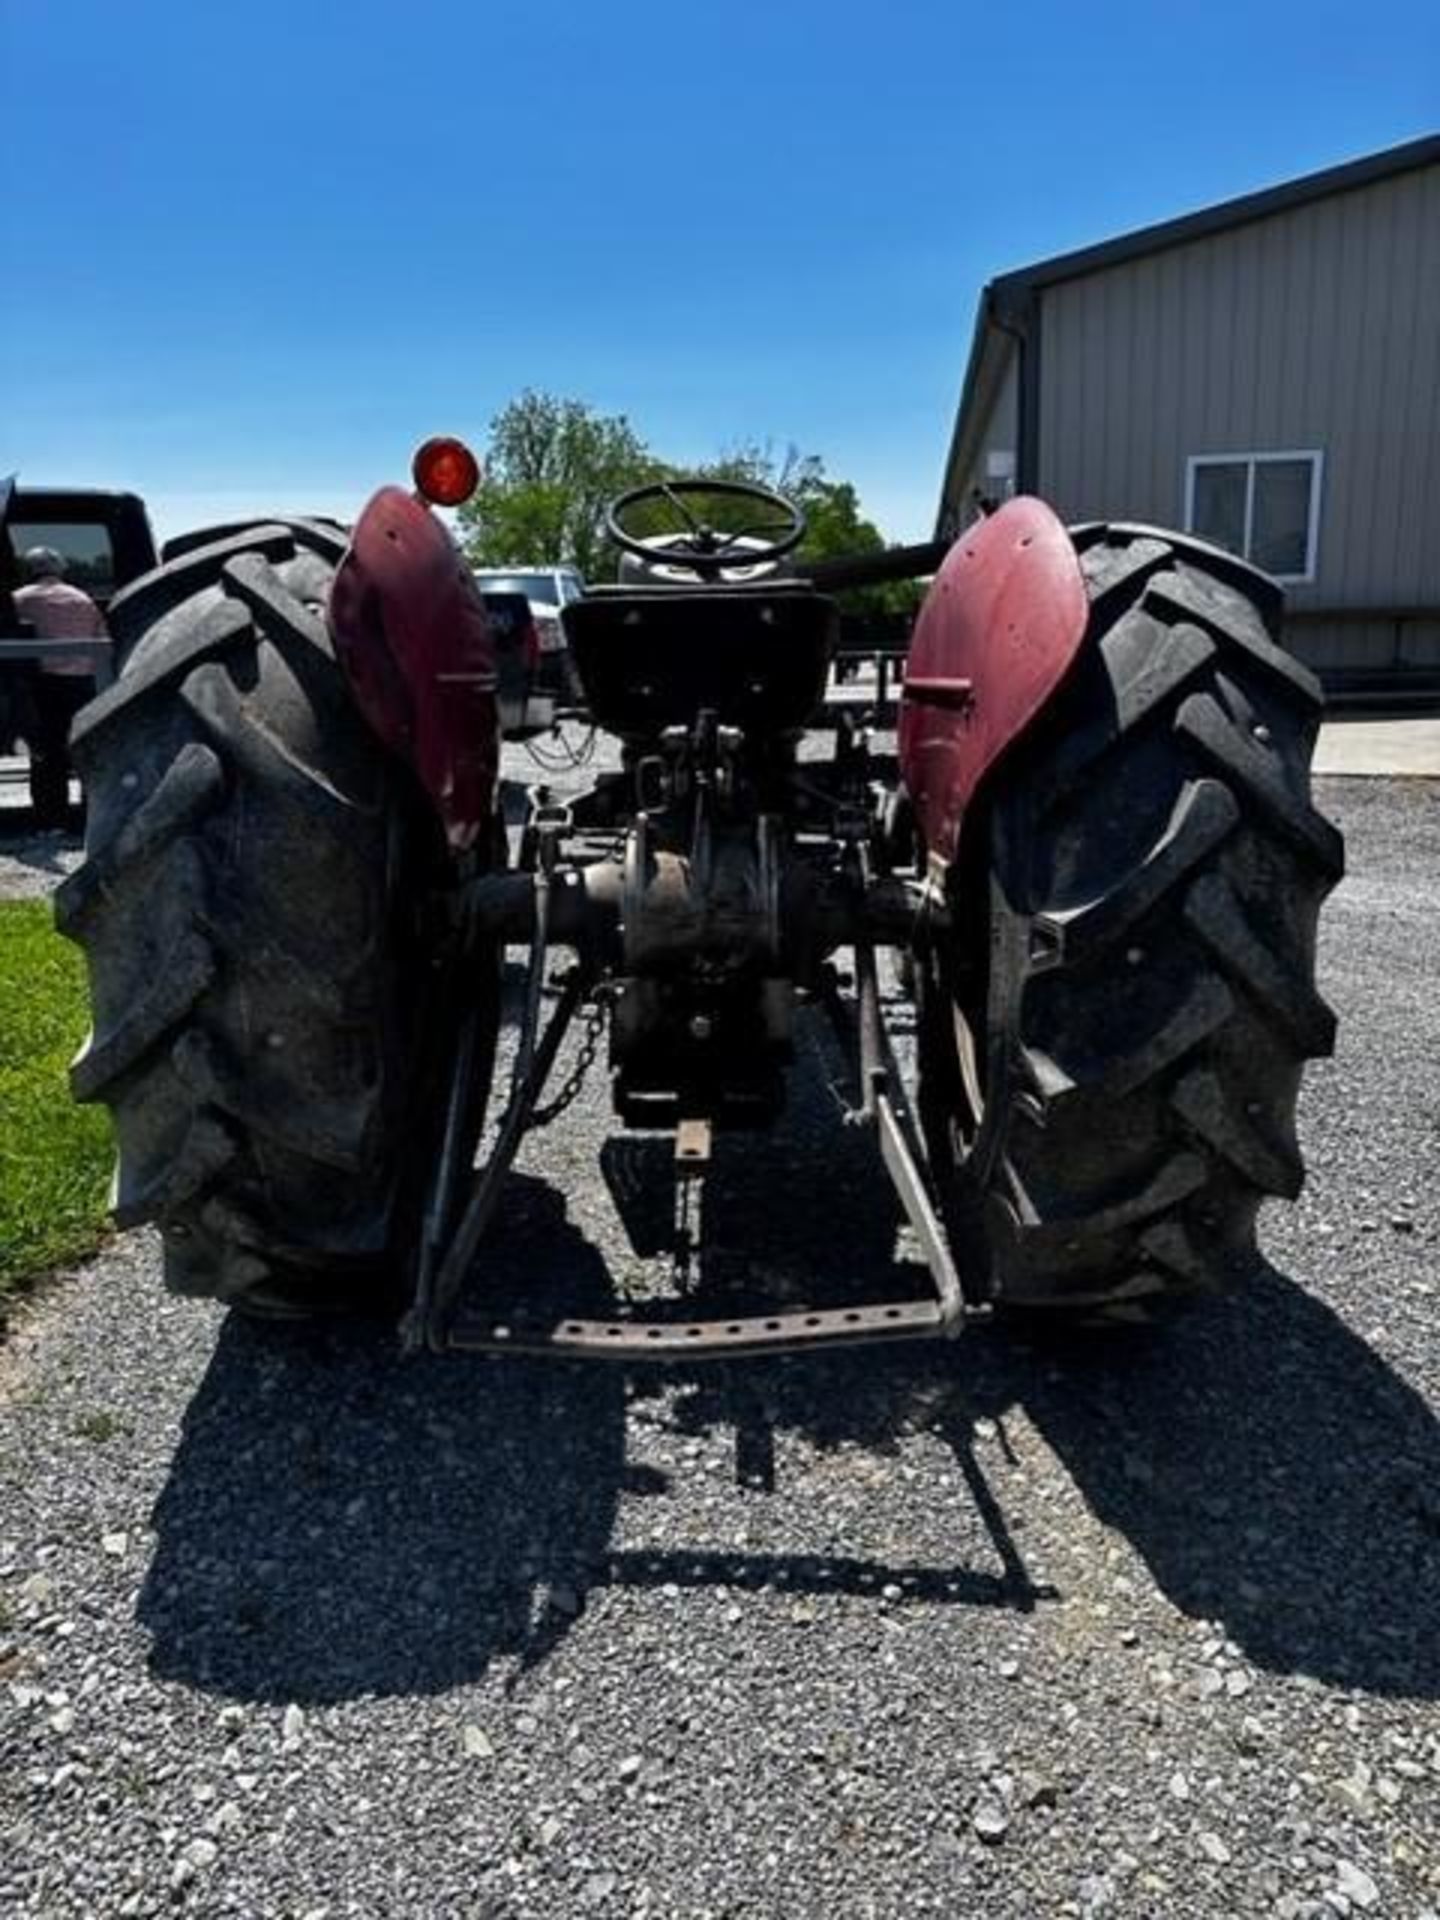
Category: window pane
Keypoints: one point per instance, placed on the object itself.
(534, 586)
(1219, 504)
(85, 549)
(1280, 534)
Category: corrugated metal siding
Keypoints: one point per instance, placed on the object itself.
(1366, 646)
(1319, 327)
(1000, 434)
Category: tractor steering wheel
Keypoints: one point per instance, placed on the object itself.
(704, 549)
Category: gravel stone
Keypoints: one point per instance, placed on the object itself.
(991, 1822)
(337, 1647)
(1034, 1790)
(1356, 1885)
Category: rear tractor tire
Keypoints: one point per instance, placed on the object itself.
(1112, 1043)
(246, 910)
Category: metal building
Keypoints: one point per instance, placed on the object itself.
(1265, 372)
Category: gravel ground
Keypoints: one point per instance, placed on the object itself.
(33, 864)
(294, 1627)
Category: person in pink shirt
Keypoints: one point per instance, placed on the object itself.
(56, 611)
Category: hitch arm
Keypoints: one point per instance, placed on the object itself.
(484, 1197)
(885, 1106)
(535, 1053)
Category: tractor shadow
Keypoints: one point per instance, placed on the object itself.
(340, 1521)
(49, 855)
(1272, 1472)
(801, 1214)
(1275, 1475)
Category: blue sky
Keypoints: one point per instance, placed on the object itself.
(254, 253)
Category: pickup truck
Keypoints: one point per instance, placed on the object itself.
(106, 541)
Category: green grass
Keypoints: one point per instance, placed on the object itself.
(54, 1156)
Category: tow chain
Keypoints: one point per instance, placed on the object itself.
(575, 1079)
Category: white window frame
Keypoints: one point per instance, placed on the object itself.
(1250, 461)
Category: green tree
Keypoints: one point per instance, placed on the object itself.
(549, 468)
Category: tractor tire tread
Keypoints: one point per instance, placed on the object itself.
(138, 608)
(1251, 769)
(1148, 972)
(163, 1002)
(1206, 813)
(1275, 982)
(234, 914)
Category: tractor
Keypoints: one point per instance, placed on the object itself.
(1084, 841)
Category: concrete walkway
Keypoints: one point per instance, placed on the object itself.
(1408, 748)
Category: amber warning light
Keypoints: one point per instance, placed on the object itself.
(446, 471)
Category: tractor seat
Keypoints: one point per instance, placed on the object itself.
(757, 653)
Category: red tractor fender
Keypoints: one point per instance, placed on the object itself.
(409, 629)
(998, 630)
